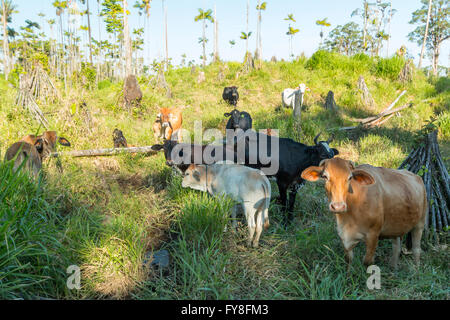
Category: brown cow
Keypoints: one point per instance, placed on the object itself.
(34, 149)
(372, 203)
(168, 122)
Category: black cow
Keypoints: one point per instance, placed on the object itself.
(230, 95)
(293, 158)
(169, 146)
(238, 119)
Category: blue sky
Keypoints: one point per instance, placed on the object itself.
(231, 14)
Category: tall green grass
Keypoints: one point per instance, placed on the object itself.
(31, 254)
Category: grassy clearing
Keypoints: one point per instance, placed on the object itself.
(106, 214)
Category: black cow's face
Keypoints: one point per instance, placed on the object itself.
(324, 150)
(235, 117)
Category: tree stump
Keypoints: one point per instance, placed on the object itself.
(407, 73)
(132, 93)
(330, 104)
(366, 96)
(249, 62)
(201, 77)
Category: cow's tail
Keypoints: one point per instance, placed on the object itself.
(266, 203)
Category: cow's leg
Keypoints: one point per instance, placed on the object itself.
(292, 197)
(396, 247)
(348, 243)
(249, 212)
(416, 235)
(233, 216)
(371, 245)
(259, 227)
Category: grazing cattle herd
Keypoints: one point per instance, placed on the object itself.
(369, 203)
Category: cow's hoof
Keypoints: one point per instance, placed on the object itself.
(255, 245)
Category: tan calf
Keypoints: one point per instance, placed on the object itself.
(372, 203)
(33, 149)
(167, 123)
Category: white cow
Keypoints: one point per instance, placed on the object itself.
(288, 95)
(249, 187)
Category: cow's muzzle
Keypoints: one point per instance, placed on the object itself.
(338, 207)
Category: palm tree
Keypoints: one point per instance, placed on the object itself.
(7, 10)
(204, 16)
(291, 31)
(260, 7)
(322, 23)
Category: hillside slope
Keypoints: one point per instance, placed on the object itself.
(105, 214)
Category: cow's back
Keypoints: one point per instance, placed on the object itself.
(401, 197)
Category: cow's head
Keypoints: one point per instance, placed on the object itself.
(323, 149)
(166, 116)
(339, 175)
(46, 143)
(303, 88)
(235, 116)
(167, 147)
(195, 177)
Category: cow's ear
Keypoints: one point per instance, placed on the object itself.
(39, 144)
(227, 114)
(335, 151)
(312, 173)
(64, 142)
(362, 177)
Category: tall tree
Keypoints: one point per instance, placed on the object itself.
(204, 16)
(86, 2)
(7, 9)
(260, 7)
(291, 32)
(322, 23)
(438, 29)
(366, 13)
(127, 40)
(426, 33)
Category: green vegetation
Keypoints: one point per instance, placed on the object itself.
(106, 214)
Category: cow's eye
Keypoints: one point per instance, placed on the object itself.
(323, 176)
(350, 177)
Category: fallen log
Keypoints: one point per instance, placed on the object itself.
(104, 152)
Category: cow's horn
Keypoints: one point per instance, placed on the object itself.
(331, 139)
(316, 137)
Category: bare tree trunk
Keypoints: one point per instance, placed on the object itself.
(204, 43)
(5, 42)
(436, 54)
(166, 37)
(126, 36)
(246, 41)
(89, 30)
(426, 33)
(389, 29)
(216, 36)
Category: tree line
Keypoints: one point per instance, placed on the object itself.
(71, 49)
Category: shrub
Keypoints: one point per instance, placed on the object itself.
(389, 67)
